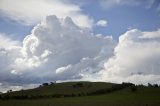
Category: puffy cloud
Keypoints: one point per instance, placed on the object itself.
(102, 23)
(30, 12)
(56, 49)
(136, 58)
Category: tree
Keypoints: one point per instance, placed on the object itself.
(45, 84)
(150, 85)
(52, 83)
(9, 91)
(155, 85)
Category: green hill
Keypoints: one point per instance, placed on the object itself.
(62, 89)
(84, 94)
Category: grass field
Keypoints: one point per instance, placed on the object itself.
(143, 96)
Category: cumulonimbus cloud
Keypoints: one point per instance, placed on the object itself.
(57, 49)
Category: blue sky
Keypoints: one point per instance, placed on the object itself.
(120, 18)
(14, 29)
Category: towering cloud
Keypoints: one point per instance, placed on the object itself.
(136, 58)
(57, 49)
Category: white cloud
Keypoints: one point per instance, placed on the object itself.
(66, 45)
(57, 49)
(137, 58)
(31, 12)
(102, 23)
(62, 69)
(7, 43)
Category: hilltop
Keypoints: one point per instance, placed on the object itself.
(84, 94)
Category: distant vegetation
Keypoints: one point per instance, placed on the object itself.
(71, 89)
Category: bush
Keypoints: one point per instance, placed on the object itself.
(133, 88)
(154, 85)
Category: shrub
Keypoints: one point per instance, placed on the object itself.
(133, 88)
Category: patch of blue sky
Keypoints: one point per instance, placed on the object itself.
(14, 29)
(122, 18)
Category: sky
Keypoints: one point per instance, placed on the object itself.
(71, 40)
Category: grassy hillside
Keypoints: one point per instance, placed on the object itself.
(66, 88)
(143, 96)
